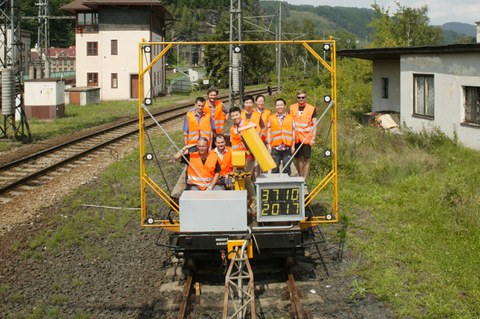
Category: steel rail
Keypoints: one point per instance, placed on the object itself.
(23, 180)
(185, 296)
(296, 305)
(103, 131)
(52, 167)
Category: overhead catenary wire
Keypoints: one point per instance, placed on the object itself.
(110, 207)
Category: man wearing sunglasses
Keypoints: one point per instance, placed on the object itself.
(305, 118)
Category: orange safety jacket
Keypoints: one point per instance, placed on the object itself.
(303, 123)
(255, 118)
(265, 115)
(195, 130)
(225, 162)
(206, 171)
(236, 140)
(281, 133)
(218, 117)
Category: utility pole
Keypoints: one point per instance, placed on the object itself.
(12, 74)
(235, 68)
(43, 18)
(279, 48)
(43, 39)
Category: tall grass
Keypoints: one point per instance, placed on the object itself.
(414, 206)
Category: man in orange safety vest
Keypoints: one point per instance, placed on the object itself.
(305, 117)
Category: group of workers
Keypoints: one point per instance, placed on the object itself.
(284, 133)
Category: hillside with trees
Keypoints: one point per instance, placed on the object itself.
(195, 19)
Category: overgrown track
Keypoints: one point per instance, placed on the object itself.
(24, 171)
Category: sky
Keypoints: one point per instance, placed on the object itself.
(439, 11)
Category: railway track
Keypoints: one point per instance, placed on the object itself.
(25, 172)
(199, 295)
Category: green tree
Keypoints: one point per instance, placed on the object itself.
(354, 85)
(258, 60)
(407, 27)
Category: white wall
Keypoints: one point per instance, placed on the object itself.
(386, 69)
(451, 72)
(86, 64)
(124, 64)
(45, 92)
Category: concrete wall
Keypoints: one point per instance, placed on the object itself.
(83, 95)
(386, 69)
(451, 73)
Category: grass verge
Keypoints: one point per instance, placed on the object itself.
(414, 202)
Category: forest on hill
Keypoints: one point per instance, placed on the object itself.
(195, 19)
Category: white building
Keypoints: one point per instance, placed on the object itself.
(22, 49)
(430, 86)
(107, 37)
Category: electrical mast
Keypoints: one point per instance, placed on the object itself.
(43, 39)
(12, 73)
(235, 69)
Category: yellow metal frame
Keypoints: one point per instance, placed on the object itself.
(146, 181)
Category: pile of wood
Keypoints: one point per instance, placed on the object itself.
(386, 121)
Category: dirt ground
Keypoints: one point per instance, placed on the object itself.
(127, 284)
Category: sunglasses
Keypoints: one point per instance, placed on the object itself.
(301, 97)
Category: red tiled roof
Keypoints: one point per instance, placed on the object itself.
(56, 53)
(67, 52)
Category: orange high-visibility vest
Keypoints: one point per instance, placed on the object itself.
(255, 118)
(281, 133)
(195, 130)
(206, 171)
(225, 162)
(236, 140)
(303, 123)
(218, 116)
(265, 116)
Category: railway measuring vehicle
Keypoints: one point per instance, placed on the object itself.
(215, 224)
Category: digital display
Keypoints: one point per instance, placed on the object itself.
(280, 198)
(280, 201)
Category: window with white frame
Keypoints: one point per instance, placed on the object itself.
(114, 80)
(472, 104)
(424, 95)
